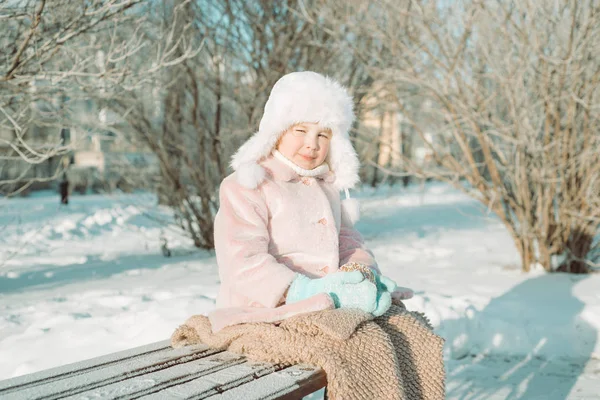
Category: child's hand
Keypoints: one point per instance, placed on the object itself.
(347, 289)
(361, 295)
(385, 287)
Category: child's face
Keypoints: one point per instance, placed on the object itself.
(305, 144)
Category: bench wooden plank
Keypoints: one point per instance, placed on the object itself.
(80, 367)
(216, 382)
(291, 383)
(94, 375)
(158, 380)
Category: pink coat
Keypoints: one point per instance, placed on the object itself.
(289, 224)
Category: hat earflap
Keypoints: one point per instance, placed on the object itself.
(343, 161)
(245, 161)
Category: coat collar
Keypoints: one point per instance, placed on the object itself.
(282, 172)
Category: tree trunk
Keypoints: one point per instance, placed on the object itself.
(578, 246)
(526, 250)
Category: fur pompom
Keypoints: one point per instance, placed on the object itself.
(351, 208)
(250, 175)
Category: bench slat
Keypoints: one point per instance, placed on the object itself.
(216, 382)
(80, 367)
(290, 383)
(158, 380)
(94, 376)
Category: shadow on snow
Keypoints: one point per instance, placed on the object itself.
(94, 268)
(539, 319)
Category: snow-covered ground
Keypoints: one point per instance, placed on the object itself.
(89, 279)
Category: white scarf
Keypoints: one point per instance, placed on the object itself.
(320, 170)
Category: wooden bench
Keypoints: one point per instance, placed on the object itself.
(157, 371)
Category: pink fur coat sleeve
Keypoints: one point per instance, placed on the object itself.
(241, 244)
(352, 246)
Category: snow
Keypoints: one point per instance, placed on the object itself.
(89, 279)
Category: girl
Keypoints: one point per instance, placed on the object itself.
(285, 243)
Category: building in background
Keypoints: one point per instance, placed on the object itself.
(387, 140)
(96, 159)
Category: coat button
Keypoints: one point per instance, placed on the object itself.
(306, 181)
(323, 221)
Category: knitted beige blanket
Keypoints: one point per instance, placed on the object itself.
(394, 357)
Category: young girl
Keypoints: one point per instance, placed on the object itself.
(285, 242)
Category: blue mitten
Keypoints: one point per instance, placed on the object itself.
(347, 289)
(385, 287)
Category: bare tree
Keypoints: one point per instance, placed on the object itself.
(47, 55)
(208, 104)
(504, 95)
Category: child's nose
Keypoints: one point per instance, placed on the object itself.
(311, 142)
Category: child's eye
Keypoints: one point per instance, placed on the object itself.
(323, 135)
(299, 132)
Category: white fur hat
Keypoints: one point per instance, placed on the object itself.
(302, 97)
